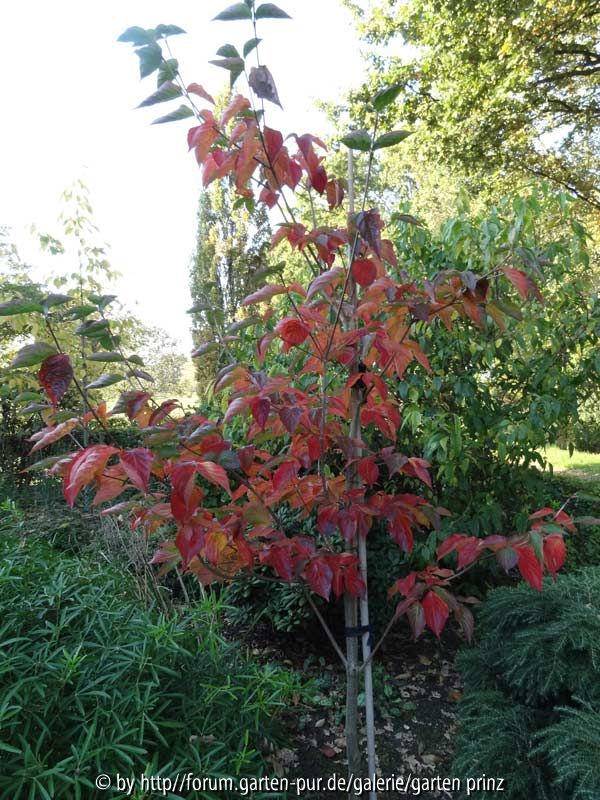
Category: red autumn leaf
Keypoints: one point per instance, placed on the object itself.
(189, 541)
(318, 179)
(524, 284)
(111, 483)
(436, 612)
(450, 544)
(284, 474)
(419, 467)
(273, 143)
(55, 375)
(279, 557)
(348, 523)
(369, 225)
(354, 581)
(52, 434)
(136, 403)
(543, 512)
(137, 464)
(214, 473)
(364, 271)
(293, 331)
(469, 552)
(268, 197)
(403, 585)
(260, 408)
(416, 619)
(335, 193)
(238, 103)
(195, 88)
(264, 293)
(84, 468)
(319, 577)
(555, 553)
(163, 411)
(529, 567)
(327, 520)
(290, 416)
(368, 470)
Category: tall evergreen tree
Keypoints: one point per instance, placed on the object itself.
(231, 248)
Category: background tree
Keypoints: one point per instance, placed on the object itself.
(231, 257)
(496, 86)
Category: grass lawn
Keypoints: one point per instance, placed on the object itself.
(584, 466)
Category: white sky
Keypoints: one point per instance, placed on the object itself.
(68, 95)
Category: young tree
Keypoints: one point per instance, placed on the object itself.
(319, 433)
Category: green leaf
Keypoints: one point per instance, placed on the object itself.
(102, 300)
(93, 328)
(270, 11)
(49, 461)
(386, 97)
(162, 31)
(358, 140)
(13, 307)
(134, 359)
(237, 11)
(250, 45)
(390, 139)
(168, 91)
(167, 71)
(108, 379)
(55, 300)
(183, 112)
(228, 51)
(142, 374)
(111, 355)
(33, 408)
(150, 59)
(207, 347)
(28, 397)
(510, 309)
(79, 312)
(137, 36)
(32, 354)
(232, 64)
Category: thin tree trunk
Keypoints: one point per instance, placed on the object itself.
(352, 746)
(368, 669)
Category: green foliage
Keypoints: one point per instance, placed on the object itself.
(493, 101)
(91, 682)
(497, 396)
(530, 683)
(230, 261)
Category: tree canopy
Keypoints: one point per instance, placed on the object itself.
(496, 85)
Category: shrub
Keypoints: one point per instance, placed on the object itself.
(532, 691)
(90, 682)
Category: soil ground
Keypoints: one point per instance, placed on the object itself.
(416, 688)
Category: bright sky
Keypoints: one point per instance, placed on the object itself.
(68, 95)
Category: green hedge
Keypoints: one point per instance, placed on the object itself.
(92, 682)
(531, 707)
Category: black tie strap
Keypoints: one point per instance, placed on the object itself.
(359, 631)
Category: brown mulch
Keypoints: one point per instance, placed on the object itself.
(416, 691)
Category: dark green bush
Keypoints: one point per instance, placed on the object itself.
(532, 691)
(91, 682)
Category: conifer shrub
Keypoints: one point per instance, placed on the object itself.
(531, 708)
